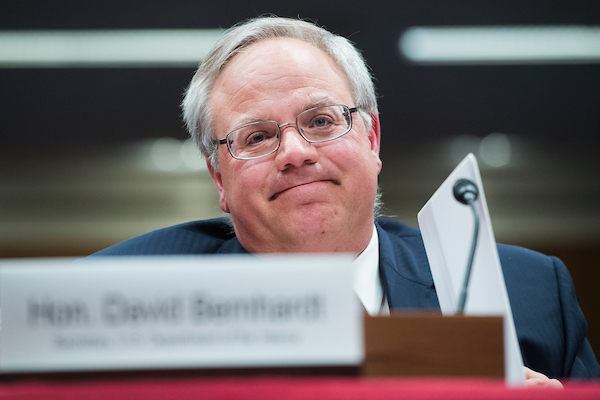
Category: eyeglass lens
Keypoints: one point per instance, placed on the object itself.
(315, 125)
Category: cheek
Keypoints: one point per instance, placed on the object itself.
(244, 182)
(359, 165)
(353, 153)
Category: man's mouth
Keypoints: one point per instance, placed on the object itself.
(277, 194)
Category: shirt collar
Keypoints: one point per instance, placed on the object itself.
(366, 281)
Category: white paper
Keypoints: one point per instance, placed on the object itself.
(178, 312)
(447, 229)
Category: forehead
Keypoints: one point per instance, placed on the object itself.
(294, 50)
(285, 71)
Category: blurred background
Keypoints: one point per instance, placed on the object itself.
(94, 152)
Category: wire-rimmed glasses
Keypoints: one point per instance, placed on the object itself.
(315, 125)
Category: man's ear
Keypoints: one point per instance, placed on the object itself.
(375, 139)
(216, 175)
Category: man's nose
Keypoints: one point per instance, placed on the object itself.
(294, 150)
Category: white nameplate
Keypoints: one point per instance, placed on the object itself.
(178, 312)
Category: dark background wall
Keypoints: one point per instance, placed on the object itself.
(74, 141)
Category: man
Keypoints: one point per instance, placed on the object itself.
(286, 116)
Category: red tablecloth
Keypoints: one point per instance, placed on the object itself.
(276, 388)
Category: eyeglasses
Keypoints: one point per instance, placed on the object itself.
(316, 125)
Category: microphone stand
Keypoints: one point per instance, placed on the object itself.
(466, 192)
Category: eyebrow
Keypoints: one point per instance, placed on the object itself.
(323, 101)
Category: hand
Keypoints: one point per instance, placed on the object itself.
(536, 380)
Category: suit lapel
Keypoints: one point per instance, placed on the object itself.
(404, 270)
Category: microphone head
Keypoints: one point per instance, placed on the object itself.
(465, 191)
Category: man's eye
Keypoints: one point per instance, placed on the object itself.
(256, 138)
(321, 122)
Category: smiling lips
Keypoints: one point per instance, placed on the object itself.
(289, 187)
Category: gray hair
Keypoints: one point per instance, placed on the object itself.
(196, 108)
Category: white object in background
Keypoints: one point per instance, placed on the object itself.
(447, 229)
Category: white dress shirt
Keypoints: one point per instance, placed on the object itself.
(366, 281)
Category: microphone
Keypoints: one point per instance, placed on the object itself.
(466, 192)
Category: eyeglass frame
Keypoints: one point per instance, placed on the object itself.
(226, 141)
